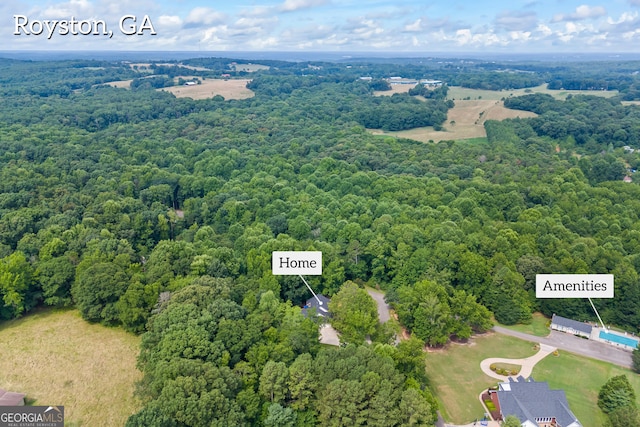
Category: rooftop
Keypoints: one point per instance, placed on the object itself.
(321, 305)
(570, 323)
(531, 401)
(9, 398)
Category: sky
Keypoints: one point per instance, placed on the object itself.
(500, 26)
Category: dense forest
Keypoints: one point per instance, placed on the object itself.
(159, 215)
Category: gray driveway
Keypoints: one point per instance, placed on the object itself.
(383, 307)
(572, 344)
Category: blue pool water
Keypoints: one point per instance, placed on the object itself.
(620, 339)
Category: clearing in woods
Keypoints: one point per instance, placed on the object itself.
(464, 121)
(472, 108)
(57, 358)
(228, 88)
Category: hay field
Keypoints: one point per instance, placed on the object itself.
(57, 358)
(464, 121)
(126, 84)
(472, 108)
(456, 92)
(229, 89)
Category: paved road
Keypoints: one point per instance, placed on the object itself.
(589, 348)
(383, 307)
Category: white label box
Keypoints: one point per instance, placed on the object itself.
(294, 263)
(574, 285)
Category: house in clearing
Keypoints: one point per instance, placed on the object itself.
(320, 304)
(8, 398)
(533, 403)
(571, 326)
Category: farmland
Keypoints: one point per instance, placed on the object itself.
(473, 107)
(229, 89)
(56, 358)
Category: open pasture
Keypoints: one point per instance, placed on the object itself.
(57, 358)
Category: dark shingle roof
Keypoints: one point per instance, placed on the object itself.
(529, 400)
(569, 323)
(321, 309)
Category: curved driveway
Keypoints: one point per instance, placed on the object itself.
(526, 364)
(572, 344)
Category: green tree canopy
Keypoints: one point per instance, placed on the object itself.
(353, 313)
(616, 393)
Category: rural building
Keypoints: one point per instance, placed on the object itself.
(321, 305)
(571, 326)
(432, 83)
(401, 81)
(8, 398)
(533, 403)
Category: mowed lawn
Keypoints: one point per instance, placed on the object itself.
(456, 376)
(581, 379)
(457, 379)
(57, 358)
(537, 327)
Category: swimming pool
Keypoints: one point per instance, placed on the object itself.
(620, 339)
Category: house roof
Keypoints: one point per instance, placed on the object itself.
(321, 304)
(570, 323)
(529, 400)
(9, 398)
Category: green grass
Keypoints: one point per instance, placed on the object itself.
(57, 358)
(537, 327)
(456, 376)
(581, 379)
(457, 92)
(457, 379)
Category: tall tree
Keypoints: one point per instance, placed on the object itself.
(353, 313)
(273, 381)
(97, 290)
(616, 393)
(635, 357)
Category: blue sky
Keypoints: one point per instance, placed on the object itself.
(513, 26)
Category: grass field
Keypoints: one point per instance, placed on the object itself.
(581, 379)
(537, 327)
(229, 89)
(457, 378)
(457, 92)
(472, 108)
(57, 358)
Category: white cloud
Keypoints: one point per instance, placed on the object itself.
(414, 27)
(293, 5)
(256, 22)
(169, 21)
(465, 37)
(582, 12)
(625, 17)
(201, 16)
(520, 35)
(545, 30)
